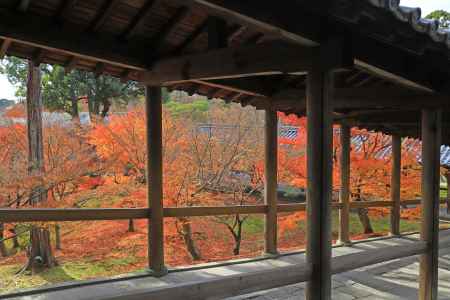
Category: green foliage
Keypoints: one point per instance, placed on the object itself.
(442, 16)
(60, 91)
(196, 109)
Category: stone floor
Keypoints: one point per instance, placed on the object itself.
(396, 279)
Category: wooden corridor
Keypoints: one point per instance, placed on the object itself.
(393, 279)
(377, 66)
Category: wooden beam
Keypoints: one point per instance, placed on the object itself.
(103, 14)
(99, 69)
(71, 65)
(395, 183)
(4, 47)
(173, 212)
(38, 56)
(125, 76)
(225, 86)
(319, 181)
(23, 5)
(429, 233)
(41, 32)
(344, 192)
(234, 34)
(71, 214)
(139, 20)
(245, 61)
(362, 99)
(154, 179)
(271, 180)
(217, 33)
(256, 15)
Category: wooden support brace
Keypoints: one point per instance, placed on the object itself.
(271, 182)
(4, 47)
(431, 141)
(155, 179)
(395, 184)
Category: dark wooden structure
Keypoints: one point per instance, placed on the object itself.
(366, 63)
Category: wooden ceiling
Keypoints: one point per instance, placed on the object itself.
(251, 52)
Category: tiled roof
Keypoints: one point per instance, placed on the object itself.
(414, 17)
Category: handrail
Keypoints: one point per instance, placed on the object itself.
(103, 214)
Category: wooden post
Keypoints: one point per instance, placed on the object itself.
(395, 183)
(155, 179)
(344, 192)
(447, 176)
(271, 182)
(431, 141)
(319, 182)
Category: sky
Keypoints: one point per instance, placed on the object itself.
(7, 90)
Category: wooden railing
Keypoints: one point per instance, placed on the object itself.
(8, 215)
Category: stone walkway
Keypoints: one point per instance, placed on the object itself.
(396, 279)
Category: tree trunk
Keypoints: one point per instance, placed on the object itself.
(34, 130)
(363, 214)
(40, 254)
(3, 251)
(106, 107)
(75, 112)
(57, 236)
(188, 241)
(131, 225)
(15, 238)
(237, 240)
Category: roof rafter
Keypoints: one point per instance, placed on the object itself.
(23, 5)
(103, 14)
(168, 28)
(139, 20)
(40, 32)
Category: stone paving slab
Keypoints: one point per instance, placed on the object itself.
(393, 280)
(396, 279)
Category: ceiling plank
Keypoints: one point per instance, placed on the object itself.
(41, 32)
(23, 5)
(139, 20)
(65, 9)
(103, 14)
(159, 39)
(192, 37)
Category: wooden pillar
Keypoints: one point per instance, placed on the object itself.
(155, 179)
(344, 192)
(271, 182)
(447, 176)
(319, 182)
(395, 183)
(431, 141)
(34, 128)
